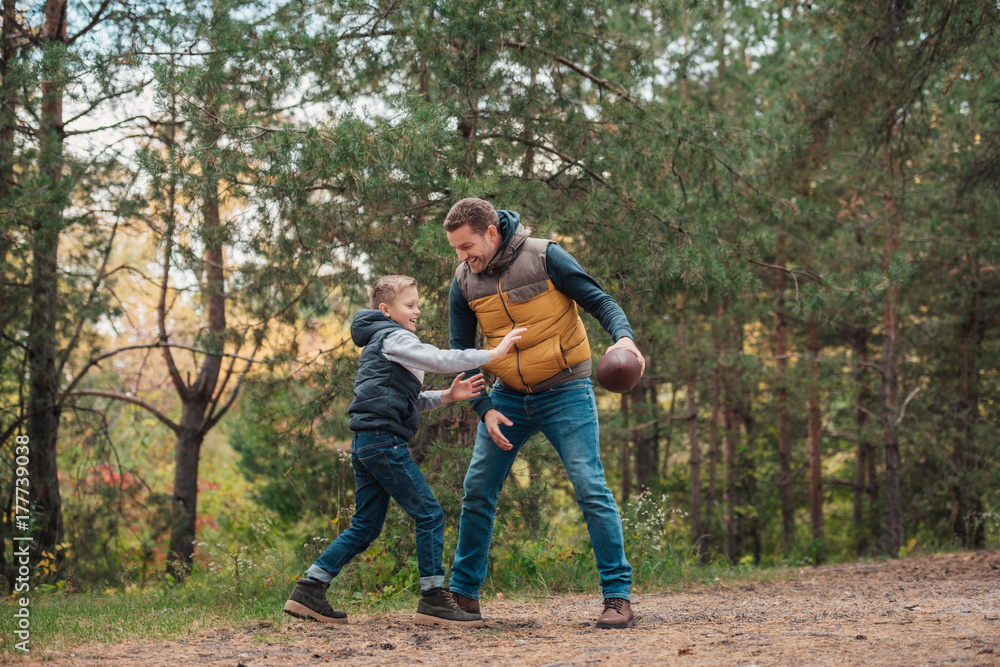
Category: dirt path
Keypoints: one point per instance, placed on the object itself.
(924, 611)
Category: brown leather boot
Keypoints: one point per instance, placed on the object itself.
(437, 607)
(617, 614)
(308, 600)
(465, 604)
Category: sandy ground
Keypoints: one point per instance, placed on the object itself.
(932, 610)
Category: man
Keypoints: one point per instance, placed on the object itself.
(509, 280)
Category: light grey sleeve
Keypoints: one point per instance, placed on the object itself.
(403, 347)
(429, 400)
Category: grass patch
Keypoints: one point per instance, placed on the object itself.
(62, 620)
(206, 600)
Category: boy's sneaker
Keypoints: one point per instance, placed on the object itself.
(308, 600)
(437, 607)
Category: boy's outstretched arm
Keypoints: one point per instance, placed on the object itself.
(403, 347)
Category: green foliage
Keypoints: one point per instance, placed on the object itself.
(294, 469)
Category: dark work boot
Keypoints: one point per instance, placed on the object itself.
(617, 614)
(437, 607)
(308, 600)
(464, 603)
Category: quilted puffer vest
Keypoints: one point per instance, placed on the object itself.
(515, 291)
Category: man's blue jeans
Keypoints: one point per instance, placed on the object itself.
(383, 469)
(567, 416)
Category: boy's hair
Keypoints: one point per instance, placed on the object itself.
(478, 214)
(387, 288)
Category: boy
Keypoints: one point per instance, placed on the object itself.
(384, 415)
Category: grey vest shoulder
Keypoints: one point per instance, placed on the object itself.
(524, 277)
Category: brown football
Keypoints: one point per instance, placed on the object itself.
(618, 371)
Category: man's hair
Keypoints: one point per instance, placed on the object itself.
(387, 288)
(478, 214)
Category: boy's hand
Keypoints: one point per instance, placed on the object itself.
(507, 343)
(462, 388)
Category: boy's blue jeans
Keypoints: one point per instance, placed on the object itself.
(383, 469)
(567, 416)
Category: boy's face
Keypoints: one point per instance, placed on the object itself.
(403, 310)
(476, 250)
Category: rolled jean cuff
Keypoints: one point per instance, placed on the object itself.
(624, 594)
(428, 583)
(319, 574)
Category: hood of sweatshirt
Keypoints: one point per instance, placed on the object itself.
(513, 234)
(368, 322)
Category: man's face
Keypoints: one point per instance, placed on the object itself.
(476, 250)
(403, 310)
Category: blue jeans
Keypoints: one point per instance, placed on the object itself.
(567, 416)
(383, 469)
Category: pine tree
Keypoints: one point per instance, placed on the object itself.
(61, 64)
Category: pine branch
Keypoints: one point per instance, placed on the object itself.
(902, 410)
(134, 400)
(95, 19)
(105, 98)
(101, 129)
(98, 279)
(210, 420)
(149, 346)
(604, 84)
(549, 149)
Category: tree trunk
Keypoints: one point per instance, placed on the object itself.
(815, 444)
(668, 442)
(653, 393)
(748, 519)
(888, 392)
(731, 437)
(185, 496)
(863, 450)
(711, 501)
(625, 454)
(720, 49)
(467, 131)
(694, 451)
(8, 123)
(528, 161)
(42, 410)
(730, 493)
(694, 458)
(199, 399)
(781, 397)
(967, 523)
(687, 54)
(645, 462)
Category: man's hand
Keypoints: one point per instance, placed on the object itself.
(629, 344)
(462, 388)
(493, 419)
